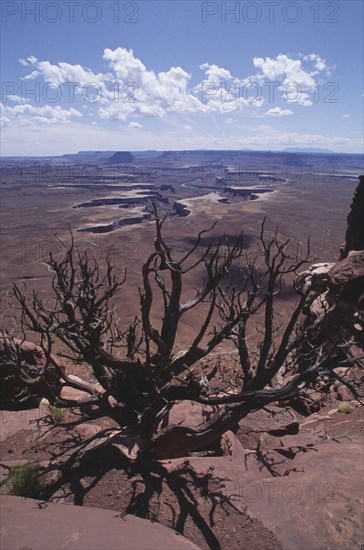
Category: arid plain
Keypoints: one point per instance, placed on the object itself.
(95, 194)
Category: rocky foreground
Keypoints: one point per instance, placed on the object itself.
(282, 481)
(289, 477)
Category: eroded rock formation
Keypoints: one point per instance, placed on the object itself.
(337, 292)
(354, 239)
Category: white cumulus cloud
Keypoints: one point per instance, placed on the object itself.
(215, 73)
(28, 115)
(4, 121)
(291, 75)
(277, 111)
(128, 88)
(291, 70)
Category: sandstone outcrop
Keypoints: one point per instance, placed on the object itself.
(27, 523)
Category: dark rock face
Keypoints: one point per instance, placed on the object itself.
(180, 210)
(118, 223)
(346, 278)
(125, 201)
(340, 298)
(337, 291)
(247, 194)
(166, 187)
(354, 239)
(121, 157)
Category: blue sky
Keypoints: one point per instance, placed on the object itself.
(181, 75)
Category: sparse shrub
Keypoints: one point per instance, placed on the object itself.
(58, 414)
(344, 434)
(34, 443)
(345, 408)
(263, 439)
(23, 480)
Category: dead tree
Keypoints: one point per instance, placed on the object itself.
(139, 367)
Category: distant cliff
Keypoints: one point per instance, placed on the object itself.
(121, 157)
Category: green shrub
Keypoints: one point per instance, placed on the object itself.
(23, 480)
(345, 408)
(58, 414)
